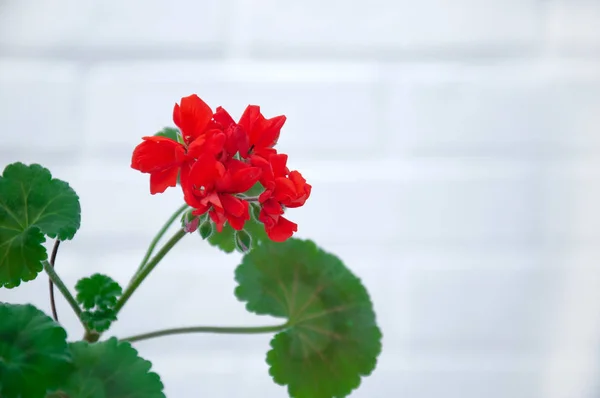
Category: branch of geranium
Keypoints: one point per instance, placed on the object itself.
(139, 278)
(50, 283)
(208, 329)
(62, 288)
(250, 199)
(157, 238)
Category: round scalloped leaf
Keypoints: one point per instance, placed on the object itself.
(111, 369)
(332, 339)
(32, 347)
(32, 204)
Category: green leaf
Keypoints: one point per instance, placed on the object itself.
(32, 204)
(111, 369)
(100, 319)
(98, 296)
(97, 291)
(224, 240)
(34, 356)
(256, 190)
(333, 338)
(170, 132)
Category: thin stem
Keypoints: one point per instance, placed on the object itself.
(157, 238)
(250, 199)
(208, 329)
(50, 283)
(62, 288)
(139, 278)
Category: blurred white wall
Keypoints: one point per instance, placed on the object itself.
(452, 146)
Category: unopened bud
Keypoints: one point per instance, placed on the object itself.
(192, 225)
(189, 222)
(243, 241)
(206, 228)
(254, 210)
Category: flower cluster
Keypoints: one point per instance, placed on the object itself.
(218, 160)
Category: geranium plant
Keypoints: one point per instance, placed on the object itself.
(237, 190)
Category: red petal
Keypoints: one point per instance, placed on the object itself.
(240, 141)
(249, 116)
(267, 171)
(278, 163)
(213, 199)
(161, 180)
(156, 154)
(204, 172)
(267, 219)
(266, 131)
(218, 218)
(234, 206)
(192, 117)
(222, 117)
(272, 207)
(238, 219)
(245, 179)
(266, 195)
(264, 152)
(212, 143)
(285, 190)
(302, 188)
(184, 174)
(198, 211)
(235, 165)
(282, 230)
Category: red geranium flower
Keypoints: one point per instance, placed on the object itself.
(218, 160)
(253, 135)
(283, 188)
(163, 157)
(212, 187)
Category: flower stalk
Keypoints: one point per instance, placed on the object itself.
(208, 329)
(147, 269)
(63, 289)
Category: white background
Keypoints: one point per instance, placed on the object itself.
(452, 147)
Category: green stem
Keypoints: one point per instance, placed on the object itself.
(157, 238)
(208, 329)
(139, 278)
(62, 288)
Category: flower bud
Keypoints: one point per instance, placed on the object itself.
(254, 210)
(243, 241)
(189, 222)
(206, 228)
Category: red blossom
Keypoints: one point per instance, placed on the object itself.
(219, 160)
(212, 186)
(283, 188)
(163, 157)
(253, 135)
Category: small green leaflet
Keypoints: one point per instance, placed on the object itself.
(98, 296)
